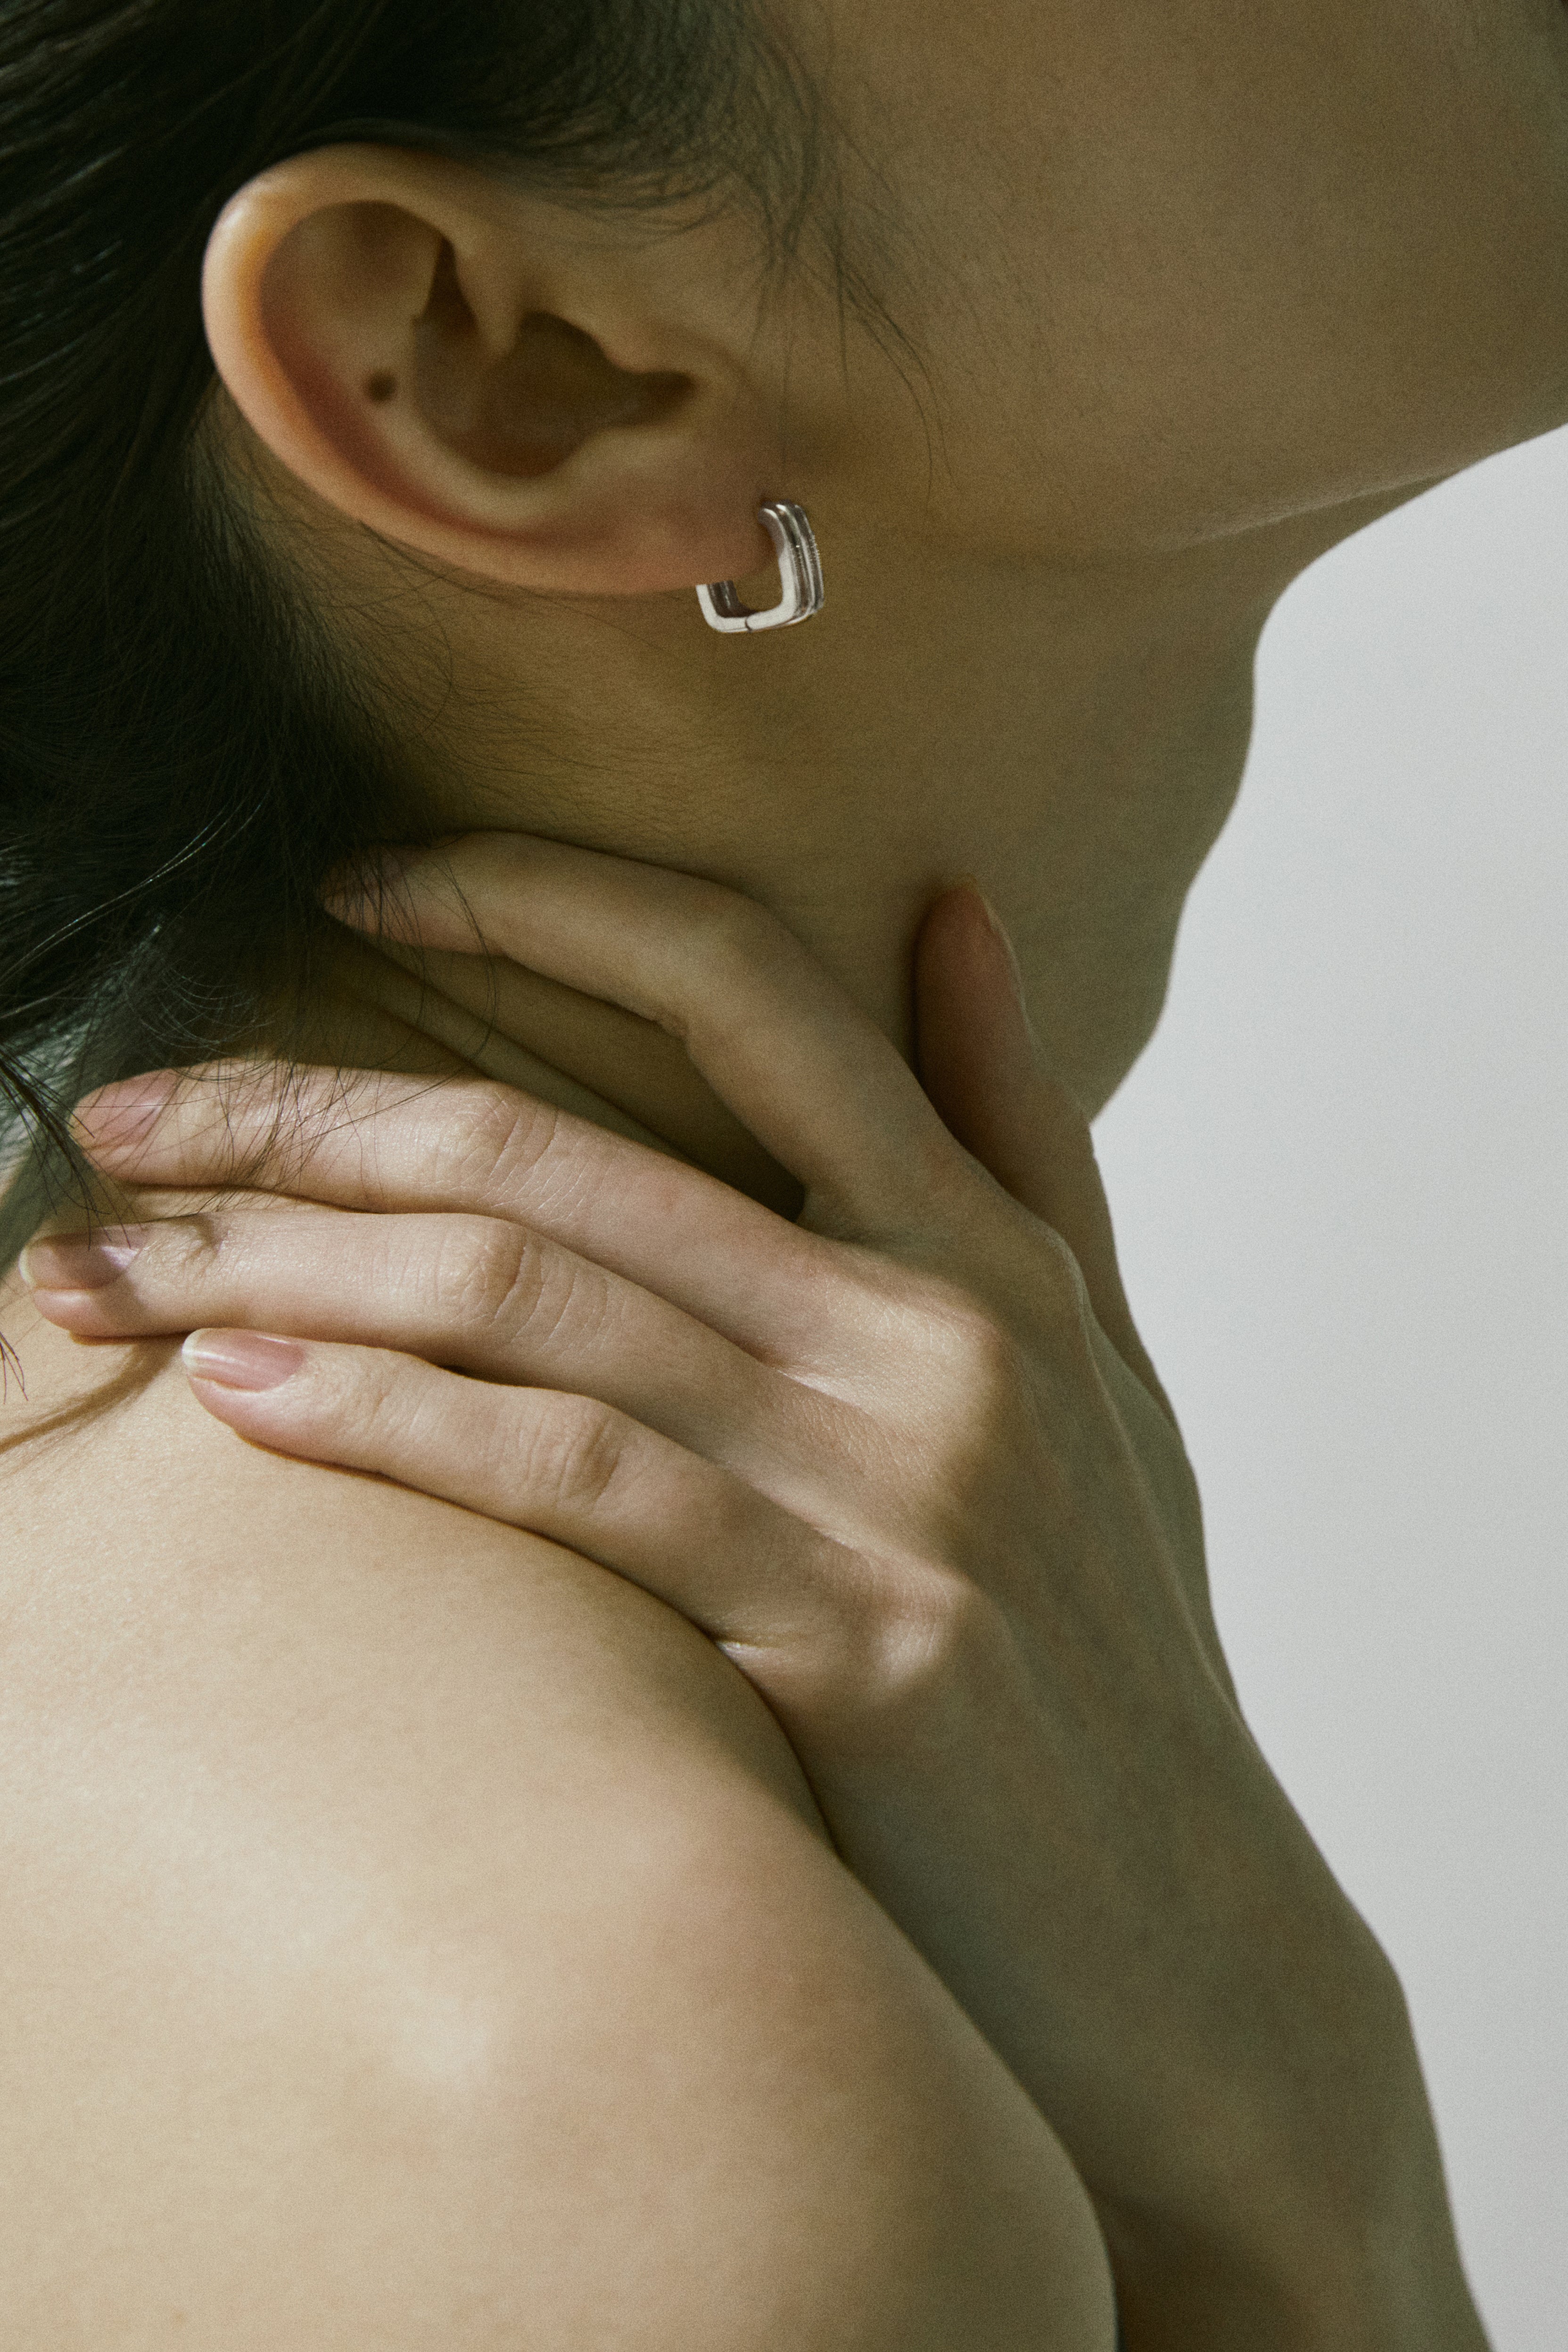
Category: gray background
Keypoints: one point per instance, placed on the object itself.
(1339, 1180)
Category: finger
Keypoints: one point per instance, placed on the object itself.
(478, 1293)
(626, 1073)
(570, 1468)
(781, 1043)
(981, 1065)
(393, 1143)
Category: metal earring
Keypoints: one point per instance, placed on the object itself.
(800, 575)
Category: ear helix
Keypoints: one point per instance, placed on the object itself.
(800, 577)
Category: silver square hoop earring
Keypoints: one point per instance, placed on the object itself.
(800, 575)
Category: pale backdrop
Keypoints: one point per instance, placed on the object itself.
(1340, 1177)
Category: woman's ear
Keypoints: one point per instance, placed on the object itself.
(475, 373)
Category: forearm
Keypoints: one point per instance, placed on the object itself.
(1245, 2100)
(1195, 2298)
(888, 1460)
(1361, 2257)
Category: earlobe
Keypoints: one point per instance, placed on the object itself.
(393, 332)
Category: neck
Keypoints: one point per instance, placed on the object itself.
(1073, 743)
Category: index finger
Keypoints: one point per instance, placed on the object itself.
(366, 1139)
(776, 1037)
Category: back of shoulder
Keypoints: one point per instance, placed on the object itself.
(411, 1935)
(134, 1517)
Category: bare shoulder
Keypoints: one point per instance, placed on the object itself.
(133, 1513)
(411, 1935)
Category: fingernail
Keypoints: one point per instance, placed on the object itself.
(357, 894)
(242, 1360)
(122, 1113)
(973, 884)
(79, 1261)
(1000, 929)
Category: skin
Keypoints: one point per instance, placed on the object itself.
(1189, 294)
(909, 1484)
(1192, 292)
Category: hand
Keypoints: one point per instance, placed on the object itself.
(906, 1462)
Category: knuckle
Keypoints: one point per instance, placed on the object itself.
(514, 1132)
(487, 1274)
(572, 1449)
(1058, 1280)
(496, 1141)
(732, 926)
(731, 939)
(981, 1353)
(256, 1124)
(971, 1384)
(195, 1245)
(995, 1334)
(903, 1631)
(519, 1288)
(364, 1395)
(931, 1618)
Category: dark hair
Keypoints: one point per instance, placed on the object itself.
(183, 758)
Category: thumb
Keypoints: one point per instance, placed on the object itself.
(983, 1067)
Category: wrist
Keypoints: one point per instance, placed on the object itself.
(1188, 2296)
(1332, 2234)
